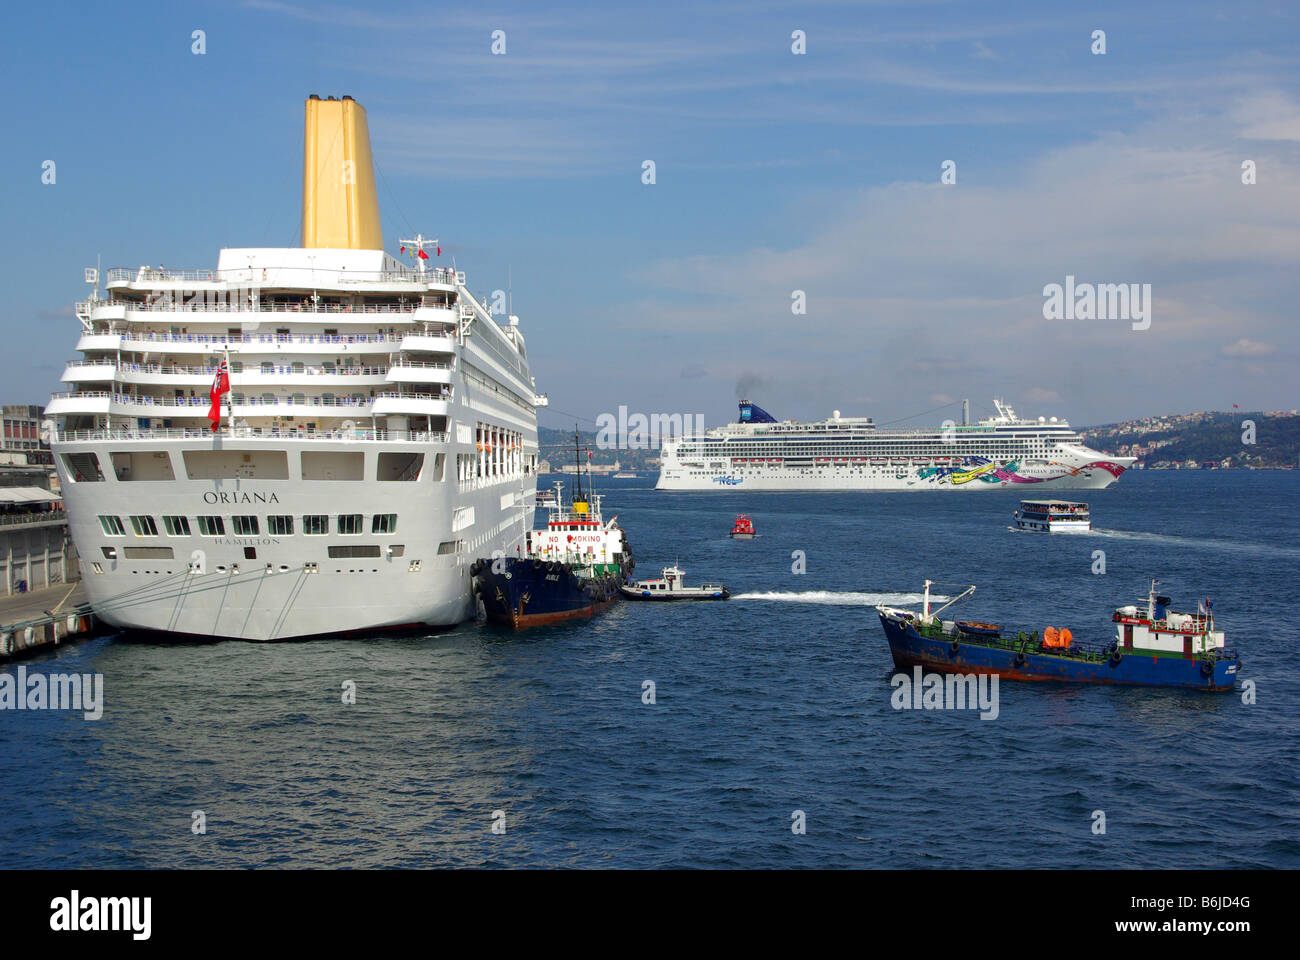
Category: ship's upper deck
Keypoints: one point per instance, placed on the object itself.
(288, 268)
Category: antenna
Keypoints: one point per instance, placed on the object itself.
(419, 243)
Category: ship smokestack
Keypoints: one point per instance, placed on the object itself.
(965, 413)
(340, 207)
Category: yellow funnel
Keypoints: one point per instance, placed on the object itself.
(340, 207)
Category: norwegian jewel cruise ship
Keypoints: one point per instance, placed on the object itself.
(373, 428)
(851, 453)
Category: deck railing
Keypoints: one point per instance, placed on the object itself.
(248, 433)
(269, 275)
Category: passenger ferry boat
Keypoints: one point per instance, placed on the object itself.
(851, 453)
(571, 569)
(671, 586)
(1053, 516)
(1152, 646)
(301, 441)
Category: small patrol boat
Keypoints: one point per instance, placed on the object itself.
(1152, 646)
(743, 529)
(671, 587)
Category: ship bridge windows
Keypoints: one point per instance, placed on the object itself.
(383, 523)
(112, 526)
(244, 526)
(177, 526)
(315, 524)
(144, 526)
(279, 526)
(351, 524)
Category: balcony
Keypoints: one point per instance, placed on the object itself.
(39, 519)
(294, 275)
(244, 433)
(162, 374)
(403, 404)
(118, 309)
(412, 371)
(248, 344)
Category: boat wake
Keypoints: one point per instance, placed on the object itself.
(1230, 546)
(836, 598)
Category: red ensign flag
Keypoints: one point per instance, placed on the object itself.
(220, 385)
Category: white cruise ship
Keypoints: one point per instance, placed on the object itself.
(851, 453)
(379, 433)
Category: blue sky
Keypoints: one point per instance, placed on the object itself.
(775, 172)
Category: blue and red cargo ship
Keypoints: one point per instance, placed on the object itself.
(1152, 646)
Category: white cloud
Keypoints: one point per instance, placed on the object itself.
(1245, 347)
(915, 281)
(1268, 116)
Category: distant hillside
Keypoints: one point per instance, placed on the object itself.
(557, 449)
(1180, 440)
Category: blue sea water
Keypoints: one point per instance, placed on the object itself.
(774, 702)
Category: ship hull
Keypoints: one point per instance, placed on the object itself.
(909, 479)
(520, 593)
(909, 649)
(280, 587)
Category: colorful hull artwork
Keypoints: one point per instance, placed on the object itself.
(986, 471)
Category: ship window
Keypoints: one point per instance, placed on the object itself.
(112, 526)
(110, 553)
(279, 526)
(244, 526)
(82, 467)
(448, 546)
(333, 465)
(350, 523)
(250, 553)
(230, 464)
(149, 553)
(400, 466)
(144, 527)
(383, 523)
(357, 550)
(177, 526)
(315, 524)
(211, 526)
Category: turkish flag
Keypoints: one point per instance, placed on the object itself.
(423, 255)
(220, 385)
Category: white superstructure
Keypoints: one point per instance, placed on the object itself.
(379, 434)
(852, 453)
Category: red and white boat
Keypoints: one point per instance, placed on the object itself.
(743, 529)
